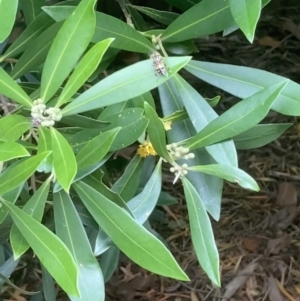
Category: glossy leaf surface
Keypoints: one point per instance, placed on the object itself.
(133, 239)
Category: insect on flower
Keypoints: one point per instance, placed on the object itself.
(159, 64)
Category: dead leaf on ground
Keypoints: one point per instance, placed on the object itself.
(286, 195)
(239, 280)
(268, 41)
(273, 291)
(287, 199)
(252, 243)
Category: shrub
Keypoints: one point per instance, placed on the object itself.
(63, 121)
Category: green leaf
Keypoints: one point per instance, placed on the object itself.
(244, 82)
(31, 9)
(181, 48)
(61, 10)
(95, 150)
(229, 173)
(201, 114)
(163, 17)
(16, 175)
(45, 144)
(26, 38)
(157, 133)
(52, 253)
(128, 183)
(83, 71)
(95, 181)
(260, 135)
(202, 233)
(11, 196)
(138, 79)
(12, 127)
(35, 55)
(49, 290)
(182, 4)
(144, 203)
(246, 14)
(11, 89)
(239, 118)
(126, 37)
(8, 11)
(171, 102)
(109, 262)
(34, 208)
(129, 236)
(203, 19)
(67, 47)
(70, 230)
(10, 150)
(133, 124)
(64, 161)
(83, 122)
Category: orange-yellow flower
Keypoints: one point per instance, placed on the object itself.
(167, 125)
(146, 149)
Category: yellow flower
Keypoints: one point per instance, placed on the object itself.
(167, 125)
(146, 149)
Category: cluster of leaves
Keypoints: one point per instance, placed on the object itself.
(58, 60)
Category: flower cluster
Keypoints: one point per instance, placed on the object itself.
(146, 149)
(179, 153)
(43, 116)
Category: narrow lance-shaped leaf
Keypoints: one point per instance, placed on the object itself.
(10, 150)
(67, 47)
(49, 289)
(11, 89)
(64, 161)
(246, 14)
(39, 25)
(70, 230)
(10, 196)
(31, 9)
(202, 233)
(171, 102)
(21, 172)
(204, 18)
(125, 84)
(34, 208)
(260, 135)
(201, 114)
(128, 183)
(95, 150)
(35, 55)
(157, 133)
(83, 71)
(243, 82)
(13, 126)
(132, 238)
(52, 253)
(229, 173)
(143, 204)
(163, 17)
(239, 118)
(45, 144)
(8, 11)
(126, 37)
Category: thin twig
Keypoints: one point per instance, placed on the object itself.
(125, 12)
